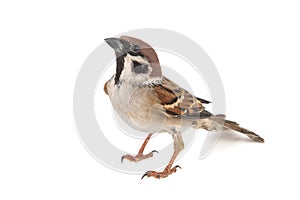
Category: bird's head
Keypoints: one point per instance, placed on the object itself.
(137, 62)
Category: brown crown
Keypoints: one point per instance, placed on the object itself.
(148, 52)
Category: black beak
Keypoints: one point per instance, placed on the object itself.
(116, 44)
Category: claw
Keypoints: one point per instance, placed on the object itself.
(122, 158)
(154, 151)
(177, 166)
(146, 174)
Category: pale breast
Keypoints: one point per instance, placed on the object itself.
(138, 107)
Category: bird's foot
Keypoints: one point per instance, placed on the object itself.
(167, 171)
(138, 157)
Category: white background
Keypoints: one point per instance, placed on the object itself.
(255, 46)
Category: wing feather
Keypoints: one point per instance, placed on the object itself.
(178, 102)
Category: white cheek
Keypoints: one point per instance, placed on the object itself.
(138, 59)
(128, 74)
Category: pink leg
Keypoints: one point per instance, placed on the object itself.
(140, 156)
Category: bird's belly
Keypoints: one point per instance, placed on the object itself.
(138, 113)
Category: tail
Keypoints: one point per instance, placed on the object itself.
(236, 127)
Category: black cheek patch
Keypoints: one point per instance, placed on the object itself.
(140, 68)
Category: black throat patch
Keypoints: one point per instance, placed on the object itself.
(120, 66)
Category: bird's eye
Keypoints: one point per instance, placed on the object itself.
(134, 49)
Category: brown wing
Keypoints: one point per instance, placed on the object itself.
(105, 88)
(178, 102)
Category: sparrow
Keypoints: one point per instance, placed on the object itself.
(150, 102)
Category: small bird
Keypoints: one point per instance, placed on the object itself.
(149, 102)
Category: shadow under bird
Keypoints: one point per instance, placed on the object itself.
(149, 102)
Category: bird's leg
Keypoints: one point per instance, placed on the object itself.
(140, 155)
(167, 171)
(178, 146)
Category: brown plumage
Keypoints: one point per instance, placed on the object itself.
(105, 88)
(235, 126)
(177, 101)
(150, 102)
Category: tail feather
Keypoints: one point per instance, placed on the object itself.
(235, 126)
(215, 121)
